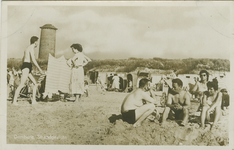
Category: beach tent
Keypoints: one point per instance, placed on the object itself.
(58, 75)
(93, 75)
(105, 76)
(123, 80)
(223, 80)
(135, 78)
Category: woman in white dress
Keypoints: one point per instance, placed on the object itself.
(77, 76)
(115, 84)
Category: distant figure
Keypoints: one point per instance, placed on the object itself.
(225, 99)
(86, 88)
(10, 84)
(26, 68)
(13, 79)
(160, 84)
(110, 81)
(200, 86)
(100, 85)
(178, 103)
(10, 78)
(130, 86)
(133, 109)
(115, 84)
(77, 75)
(211, 103)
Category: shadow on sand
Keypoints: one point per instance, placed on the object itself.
(115, 117)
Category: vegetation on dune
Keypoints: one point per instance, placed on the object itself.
(183, 66)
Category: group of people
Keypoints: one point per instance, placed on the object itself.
(113, 82)
(134, 110)
(77, 84)
(13, 79)
(141, 102)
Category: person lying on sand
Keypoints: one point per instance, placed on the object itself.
(178, 103)
(211, 103)
(133, 109)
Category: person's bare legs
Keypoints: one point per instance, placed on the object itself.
(204, 116)
(217, 116)
(25, 73)
(185, 116)
(165, 114)
(34, 88)
(142, 113)
(77, 97)
(34, 94)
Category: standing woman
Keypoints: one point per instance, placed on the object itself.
(26, 68)
(77, 75)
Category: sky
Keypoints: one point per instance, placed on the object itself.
(120, 32)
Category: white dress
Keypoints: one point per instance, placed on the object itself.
(77, 75)
(115, 82)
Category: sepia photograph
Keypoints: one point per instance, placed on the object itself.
(123, 73)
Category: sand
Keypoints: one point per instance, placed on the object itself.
(97, 121)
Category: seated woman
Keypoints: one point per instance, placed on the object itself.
(211, 102)
(200, 86)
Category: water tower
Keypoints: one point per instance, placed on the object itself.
(47, 41)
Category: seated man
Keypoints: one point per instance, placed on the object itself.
(178, 102)
(212, 100)
(133, 109)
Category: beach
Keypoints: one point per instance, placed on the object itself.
(96, 120)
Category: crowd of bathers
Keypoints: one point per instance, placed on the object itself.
(142, 103)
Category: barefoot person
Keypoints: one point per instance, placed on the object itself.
(26, 68)
(211, 102)
(133, 110)
(178, 103)
(77, 76)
